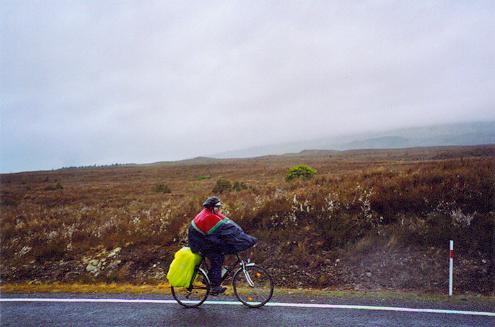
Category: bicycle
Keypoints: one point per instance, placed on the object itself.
(252, 284)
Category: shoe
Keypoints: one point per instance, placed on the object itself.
(217, 290)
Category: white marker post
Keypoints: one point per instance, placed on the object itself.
(451, 267)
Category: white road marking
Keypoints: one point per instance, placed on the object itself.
(271, 304)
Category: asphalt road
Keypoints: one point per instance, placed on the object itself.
(170, 314)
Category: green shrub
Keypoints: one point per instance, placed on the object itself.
(203, 177)
(162, 188)
(222, 185)
(300, 171)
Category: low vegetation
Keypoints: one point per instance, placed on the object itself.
(223, 185)
(304, 172)
(367, 220)
(162, 188)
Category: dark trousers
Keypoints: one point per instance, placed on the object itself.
(215, 272)
(211, 250)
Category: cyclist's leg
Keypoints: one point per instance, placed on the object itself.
(215, 272)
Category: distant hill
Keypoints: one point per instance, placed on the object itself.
(192, 161)
(312, 153)
(383, 142)
(436, 135)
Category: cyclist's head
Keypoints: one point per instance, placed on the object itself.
(212, 203)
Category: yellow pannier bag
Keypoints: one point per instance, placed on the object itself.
(182, 267)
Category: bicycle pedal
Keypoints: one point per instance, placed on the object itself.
(218, 290)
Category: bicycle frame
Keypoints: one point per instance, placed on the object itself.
(198, 268)
(243, 267)
(230, 269)
(240, 271)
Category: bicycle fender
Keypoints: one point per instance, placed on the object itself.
(247, 265)
(206, 274)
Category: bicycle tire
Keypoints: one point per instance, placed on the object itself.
(195, 296)
(260, 293)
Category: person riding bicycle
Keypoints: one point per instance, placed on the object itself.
(214, 235)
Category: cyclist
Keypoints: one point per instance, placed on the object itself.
(214, 235)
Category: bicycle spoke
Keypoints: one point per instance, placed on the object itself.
(253, 286)
(193, 295)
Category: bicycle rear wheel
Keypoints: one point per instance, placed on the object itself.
(253, 287)
(194, 295)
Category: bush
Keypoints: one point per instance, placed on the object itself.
(222, 185)
(239, 186)
(300, 171)
(162, 188)
(55, 187)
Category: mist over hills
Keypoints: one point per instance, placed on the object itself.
(461, 134)
(435, 135)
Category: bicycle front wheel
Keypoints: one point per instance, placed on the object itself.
(253, 286)
(194, 295)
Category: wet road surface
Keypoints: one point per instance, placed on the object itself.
(28, 313)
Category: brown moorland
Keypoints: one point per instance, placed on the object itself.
(368, 220)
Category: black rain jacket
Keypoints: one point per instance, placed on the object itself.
(228, 238)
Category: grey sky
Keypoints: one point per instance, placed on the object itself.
(85, 82)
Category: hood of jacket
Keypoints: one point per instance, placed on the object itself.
(206, 221)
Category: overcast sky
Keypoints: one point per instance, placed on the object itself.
(100, 82)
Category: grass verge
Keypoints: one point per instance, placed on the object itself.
(386, 295)
(164, 288)
(11, 288)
